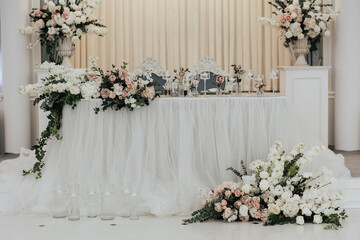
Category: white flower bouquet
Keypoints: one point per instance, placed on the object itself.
(68, 19)
(300, 19)
(277, 192)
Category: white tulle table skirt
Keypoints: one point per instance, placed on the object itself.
(168, 151)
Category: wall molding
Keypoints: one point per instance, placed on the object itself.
(331, 95)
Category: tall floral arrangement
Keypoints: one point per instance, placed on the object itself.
(67, 19)
(278, 191)
(300, 19)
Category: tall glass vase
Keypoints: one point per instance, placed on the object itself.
(107, 202)
(74, 203)
(59, 199)
(238, 88)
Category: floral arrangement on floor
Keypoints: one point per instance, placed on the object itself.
(300, 19)
(69, 19)
(238, 71)
(67, 86)
(277, 192)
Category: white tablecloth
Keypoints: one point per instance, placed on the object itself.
(167, 150)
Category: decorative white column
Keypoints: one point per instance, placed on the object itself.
(346, 62)
(307, 89)
(17, 71)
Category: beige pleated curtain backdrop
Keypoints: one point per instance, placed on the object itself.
(179, 32)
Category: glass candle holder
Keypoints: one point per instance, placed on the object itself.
(92, 207)
(107, 202)
(134, 207)
(126, 200)
(74, 203)
(59, 200)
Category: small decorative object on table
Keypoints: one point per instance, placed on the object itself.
(195, 82)
(92, 206)
(250, 77)
(274, 76)
(302, 24)
(259, 84)
(219, 80)
(238, 71)
(179, 83)
(63, 24)
(205, 76)
(277, 191)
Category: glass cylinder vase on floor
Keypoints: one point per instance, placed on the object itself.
(107, 201)
(74, 203)
(59, 199)
(126, 200)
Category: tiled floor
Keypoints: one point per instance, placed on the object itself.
(170, 228)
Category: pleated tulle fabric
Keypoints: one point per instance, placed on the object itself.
(168, 150)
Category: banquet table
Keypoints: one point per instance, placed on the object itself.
(168, 150)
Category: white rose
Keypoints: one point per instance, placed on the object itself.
(264, 174)
(275, 209)
(300, 220)
(322, 25)
(327, 33)
(75, 39)
(77, 20)
(244, 211)
(296, 2)
(62, 2)
(317, 29)
(318, 219)
(317, 8)
(306, 212)
(74, 90)
(294, 15)
(301, 36)
(286, 195)
(51, 5)
(288, 34)
(246, 188)
(264, 185)
(306, 5)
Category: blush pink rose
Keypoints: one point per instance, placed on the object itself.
(37, 12)
(216, 193)
(228, 193)
(288, 18)
(124, 93)
(237, 193)
(244, 219)
(218, 207)
(257, 215)
(249, 202)
(112, 95)
(295, 10)
(256, 205)
(281, 19)
(223, 202)
(112, 78)
(129, 86)
(65, 15)
(120, 97)
(105, 93)
(221, 189)
(266, 200)
(287, 9)
(237, 204)
(128, 80)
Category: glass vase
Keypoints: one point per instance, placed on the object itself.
(59, 200)
(126, 200)
(260, 91)
(238, 88)
(92, 208)
(134, 206)
(218, 90)
(107, 202)
(74, 203)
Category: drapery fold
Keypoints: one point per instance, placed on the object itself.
(180, 32)
(168, 150)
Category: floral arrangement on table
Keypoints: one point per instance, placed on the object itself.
(238, 71)
(66, 86)
(301, 19)
(180, 74)
(277, 192)
(259, 85)
(69, 19)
